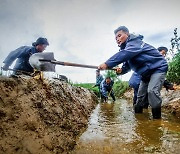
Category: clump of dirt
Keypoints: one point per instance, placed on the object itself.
(171, 100)
(42, 116)
(173, 107)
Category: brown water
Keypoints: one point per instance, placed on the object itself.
(114, 129)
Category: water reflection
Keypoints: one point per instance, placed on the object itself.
(113, 128)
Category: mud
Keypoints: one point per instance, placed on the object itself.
(42, 116)
(115, 129)
(171, 101)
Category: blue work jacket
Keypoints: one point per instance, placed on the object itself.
(22, 55)
(135, 80)
(105, 88)
(99, 79)
(139, 56)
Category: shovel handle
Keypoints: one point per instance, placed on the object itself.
(70, 64)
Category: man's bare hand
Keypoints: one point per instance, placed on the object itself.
(118, 70)
(103, 66)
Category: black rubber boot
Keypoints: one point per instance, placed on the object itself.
(145, 106)
(156, 112)
(138, 109)
(114, 99)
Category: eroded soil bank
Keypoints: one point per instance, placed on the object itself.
(42, 116)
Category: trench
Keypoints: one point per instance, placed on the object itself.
(113, 128)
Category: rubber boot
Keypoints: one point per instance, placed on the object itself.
(114, 99)
(138, 108)
(145, 106)
(156, 112)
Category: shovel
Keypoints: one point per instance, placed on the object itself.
(35, 62)
(46, 62)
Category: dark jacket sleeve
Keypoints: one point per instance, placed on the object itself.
(99, 80)
(13, 55)
(112, 83)
(103, 89)
(132, 49)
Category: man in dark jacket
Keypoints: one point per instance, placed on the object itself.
(23, 54)
(166, 84)
(106, 89)
(135, 79)
(146, 61)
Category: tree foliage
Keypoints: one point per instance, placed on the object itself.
(119, 86)
(173, 73)
(112, 74)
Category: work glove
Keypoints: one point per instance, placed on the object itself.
(5, 67)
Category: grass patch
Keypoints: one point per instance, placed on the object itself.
(120, 87)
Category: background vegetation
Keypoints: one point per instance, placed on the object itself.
(173, 74)
(119, 86)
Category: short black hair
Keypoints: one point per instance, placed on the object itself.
(123, 28)
(40, 40)
(108, 77)
(163, 48)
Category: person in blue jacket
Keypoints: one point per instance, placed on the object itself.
(135, 79)
(106, 89)
(134, 83)
(146, 61)
(22, 54)
(99, 79)
(169, 86)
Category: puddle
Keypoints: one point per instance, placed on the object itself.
(114, 128)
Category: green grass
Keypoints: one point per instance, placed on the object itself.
(119, 87)
(88, 86)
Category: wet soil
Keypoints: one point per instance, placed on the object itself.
(49, 117)
(42, 117)
(114, 129)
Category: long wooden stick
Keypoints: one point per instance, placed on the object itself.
(69, 64)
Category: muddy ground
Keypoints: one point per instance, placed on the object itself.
(42, 116)
(171, 99)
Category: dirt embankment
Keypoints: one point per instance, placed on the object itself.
(42, 117)
(171, 100)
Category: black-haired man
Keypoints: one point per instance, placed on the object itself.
(106, 88)
(146, 61)
(22, 54)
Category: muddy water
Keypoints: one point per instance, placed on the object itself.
(113, 129)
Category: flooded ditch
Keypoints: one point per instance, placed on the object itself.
(114, 128)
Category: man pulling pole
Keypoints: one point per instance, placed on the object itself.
(146, 61)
